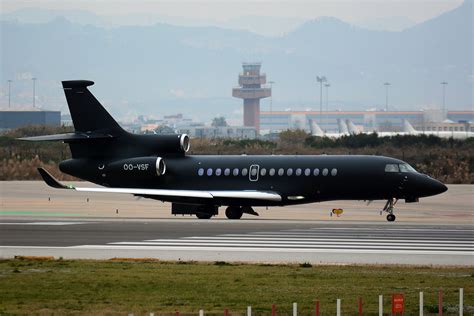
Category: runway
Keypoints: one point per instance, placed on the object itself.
(272, 241)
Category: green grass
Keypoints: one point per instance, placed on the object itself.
(120, 287)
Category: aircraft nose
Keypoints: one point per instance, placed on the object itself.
(434, 187)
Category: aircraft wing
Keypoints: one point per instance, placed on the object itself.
(255, 195)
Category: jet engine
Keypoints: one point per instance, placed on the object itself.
(169, 144)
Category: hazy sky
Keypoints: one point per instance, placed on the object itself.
(347, 10)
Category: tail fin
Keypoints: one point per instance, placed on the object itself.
(353, 130)
(342, 126)
(408, 128)
(315, 129)
(88, 115)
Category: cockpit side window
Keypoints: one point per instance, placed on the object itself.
(403, 168)
(407, 168)
(391, 167)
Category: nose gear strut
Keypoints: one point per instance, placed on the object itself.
(389, 209)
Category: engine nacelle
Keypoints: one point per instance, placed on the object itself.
(141, 167)
(166, 144)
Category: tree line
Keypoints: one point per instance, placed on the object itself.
(449, 160)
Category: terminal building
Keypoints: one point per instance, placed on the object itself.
(234, 132)
(366, 120)
(15, 119)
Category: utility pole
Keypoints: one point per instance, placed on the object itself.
(321, 80)
(9, 92)
(34, 91)
(271, 96)
(386, 84)
(443, 110)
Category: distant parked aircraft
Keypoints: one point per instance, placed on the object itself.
(443, 134)
(408, 129)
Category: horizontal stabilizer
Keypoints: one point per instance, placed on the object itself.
(165, 193)
(68, 137)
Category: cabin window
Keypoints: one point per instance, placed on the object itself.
(316, 172)
(227, 171)
(253, 172)
(236, 172)
(245, 172)
(271, 172)
(307, 172)
(218, 171)
(334, 172)
(289, 172)
(209, 172)
(200, 172)
(391, 167)
(298, 172)
(325, 171)
(263, 172)
(281, 172)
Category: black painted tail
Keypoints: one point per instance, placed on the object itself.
(88, 115)
(94, 127)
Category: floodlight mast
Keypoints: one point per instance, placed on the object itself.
(443, 110)
(34, 91)
(9, 92)
(321, 80)
(271, 96)
(387, 85)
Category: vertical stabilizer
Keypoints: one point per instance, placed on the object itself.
(315, 129)
(342, 126)
(353, 130)
(88, 115)
(408, 128)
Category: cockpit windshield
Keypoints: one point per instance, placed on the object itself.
(402, 167)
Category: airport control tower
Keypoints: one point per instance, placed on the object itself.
(250, 89)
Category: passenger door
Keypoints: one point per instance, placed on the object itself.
(253, 172)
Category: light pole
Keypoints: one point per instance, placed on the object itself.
(9, 92)
(271, 96)
(386, 84)
(327, 85)
(34, 91)
(443, 110)
(321, 80)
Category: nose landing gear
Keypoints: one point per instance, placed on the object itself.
(389, 209)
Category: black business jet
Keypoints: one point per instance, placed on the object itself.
(157, 167)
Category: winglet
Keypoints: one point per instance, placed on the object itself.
(51, 181)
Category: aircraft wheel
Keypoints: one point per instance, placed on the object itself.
(203, 215)
(233, 212)
(391, 217)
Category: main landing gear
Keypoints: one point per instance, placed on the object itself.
(389, 209)
(236, 212)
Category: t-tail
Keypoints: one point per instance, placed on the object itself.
(94, 127)
(97, 135)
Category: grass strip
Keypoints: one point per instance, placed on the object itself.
(123, 286)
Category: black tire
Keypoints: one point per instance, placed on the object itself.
(203, 215)
(233, 212)
(391, 218)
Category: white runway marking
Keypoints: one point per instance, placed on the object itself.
(46, 223)
(309, 241)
